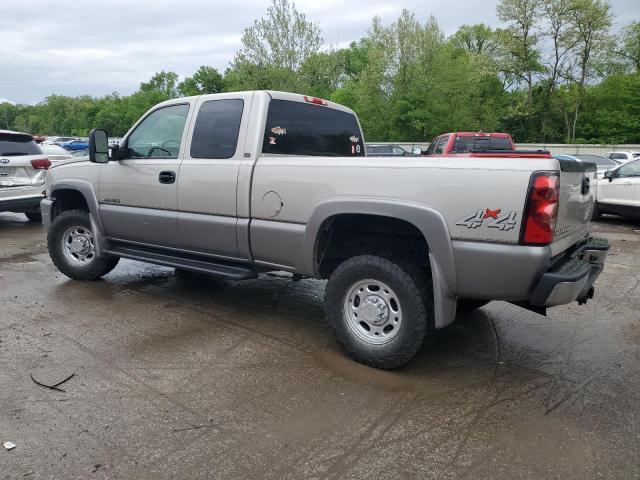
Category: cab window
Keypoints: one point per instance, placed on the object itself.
(295, 128)
(160, 133)
(442, 143)
(631, 169)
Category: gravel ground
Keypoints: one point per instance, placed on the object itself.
(183, 377)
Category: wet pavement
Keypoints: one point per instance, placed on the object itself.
(185, 377)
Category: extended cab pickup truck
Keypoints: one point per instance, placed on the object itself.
(479, 144)
(236, 184)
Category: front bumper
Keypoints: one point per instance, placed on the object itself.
(572, 275)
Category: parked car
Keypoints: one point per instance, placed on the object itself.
(60, 140)
(75, 145)
(79, 153)
(375, 150)
(240, 183)
(55, 153)
(602, 164)
(619, 192)
(479, 144)
(22, 173)
(622, 157)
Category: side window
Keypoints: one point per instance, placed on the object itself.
(160, 133)
(618, 156)
(295, 128)
(397, 151)
(442, 142)
(629, 170)
(215, 134)
(432, 146)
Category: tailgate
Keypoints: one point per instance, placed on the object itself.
(16, 171)
(577, 197)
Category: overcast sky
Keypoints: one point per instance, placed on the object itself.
(80, 47)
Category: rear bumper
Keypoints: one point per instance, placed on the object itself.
(20, 204)
(571, 277)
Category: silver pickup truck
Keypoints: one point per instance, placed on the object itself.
(236, 184)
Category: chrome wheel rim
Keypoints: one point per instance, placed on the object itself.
(372, 311)
(77, 245)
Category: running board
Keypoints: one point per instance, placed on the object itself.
(193, 263)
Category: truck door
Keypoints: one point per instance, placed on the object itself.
(207, 187)
(138, 193)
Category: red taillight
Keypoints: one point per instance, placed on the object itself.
(542, 209)
(41, 164)
(317, 101)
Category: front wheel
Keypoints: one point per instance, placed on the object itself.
(72, 249)
(381, 309)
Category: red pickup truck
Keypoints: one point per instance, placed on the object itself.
(479, 144)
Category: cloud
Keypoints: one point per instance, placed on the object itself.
(80, 47)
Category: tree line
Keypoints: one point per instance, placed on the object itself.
(553, 72)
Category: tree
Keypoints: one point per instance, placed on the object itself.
(477, 39)
(519, 40)
(205, 80)
(592, 20)
(630, 48)
(282, 39)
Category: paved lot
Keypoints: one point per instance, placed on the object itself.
(183, 378)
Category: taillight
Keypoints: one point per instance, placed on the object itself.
(317, 101)
(541, 211)
(41, 164)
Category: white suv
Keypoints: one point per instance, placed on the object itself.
(622, 157)
(619, 191)
(22, 171)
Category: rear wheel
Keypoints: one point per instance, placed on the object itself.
(380, 309)
(34, 216)
(71, 247)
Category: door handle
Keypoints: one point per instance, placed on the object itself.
(167, 177)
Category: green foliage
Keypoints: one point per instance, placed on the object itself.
(552, 73)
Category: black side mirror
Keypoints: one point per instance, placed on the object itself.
(609, 174)
(98, 146)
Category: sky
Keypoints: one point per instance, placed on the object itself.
(80, 47)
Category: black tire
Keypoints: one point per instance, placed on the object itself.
(595, 214)
(411, 285)
(34, 216)
(468, 304)
(93, 269)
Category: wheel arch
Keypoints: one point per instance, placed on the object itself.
(431, 225)
(72, 190)
(427, 221)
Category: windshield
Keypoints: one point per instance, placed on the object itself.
(16, 145)
(475, 144)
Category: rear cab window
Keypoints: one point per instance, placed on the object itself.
(467, 144)
(15, 145)
(295, 128)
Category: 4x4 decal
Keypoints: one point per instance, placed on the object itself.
(494, 219)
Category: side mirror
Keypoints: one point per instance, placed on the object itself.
(98, 146)
(417, 151)
(609, 174)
